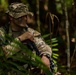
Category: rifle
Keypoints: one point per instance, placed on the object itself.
(32, 46)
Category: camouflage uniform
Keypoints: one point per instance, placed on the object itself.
(17, 10)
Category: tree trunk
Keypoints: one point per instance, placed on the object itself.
(68, 40)
(67, 35)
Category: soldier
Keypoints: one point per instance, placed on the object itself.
(19, 30)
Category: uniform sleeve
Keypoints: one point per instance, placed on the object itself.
(11, 48)
(43, 48)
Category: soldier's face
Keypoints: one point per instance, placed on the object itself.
(20, 21)
(30, 19)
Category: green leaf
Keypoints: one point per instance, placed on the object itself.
(54, 49)
(54, 40)
(53, 45)
(55, 54)
(55, 57)
(55, 61)
(45, 36)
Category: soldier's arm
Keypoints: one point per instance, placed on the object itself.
(11, 48)
(40, 43)
(44, 49)
(42, 46)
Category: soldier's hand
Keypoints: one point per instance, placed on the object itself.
(46, 61)
(25, 36)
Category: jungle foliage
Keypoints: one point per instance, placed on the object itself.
(57, 41)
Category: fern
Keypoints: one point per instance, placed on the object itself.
(15, 65)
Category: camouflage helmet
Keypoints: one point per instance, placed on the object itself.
(17, 10)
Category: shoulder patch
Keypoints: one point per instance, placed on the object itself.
(36, 33)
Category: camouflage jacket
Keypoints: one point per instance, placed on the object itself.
(11, 48)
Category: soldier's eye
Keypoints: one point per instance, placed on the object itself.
(19, 19)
